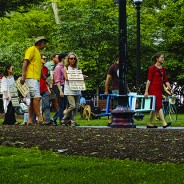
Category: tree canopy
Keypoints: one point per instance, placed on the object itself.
(90, 29)
(7, 6)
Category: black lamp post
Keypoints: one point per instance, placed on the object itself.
(138, 3)
(138, 68)
(122, 116)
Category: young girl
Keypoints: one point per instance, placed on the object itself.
(8, 85)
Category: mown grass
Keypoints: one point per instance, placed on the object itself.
(104, 120)
(18, 165)
(22, 166)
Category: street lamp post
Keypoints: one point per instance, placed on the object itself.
(122, 115)
(138, 68)
(138, 65)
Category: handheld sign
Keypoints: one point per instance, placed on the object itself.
(24, 90)
(76, 80)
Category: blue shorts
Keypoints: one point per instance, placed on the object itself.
(34, 88)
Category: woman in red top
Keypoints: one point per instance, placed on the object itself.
(45, 91)
(154, 86)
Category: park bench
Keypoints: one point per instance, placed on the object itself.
(136, 102)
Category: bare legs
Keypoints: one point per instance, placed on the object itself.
(34, 107)
(161, 115)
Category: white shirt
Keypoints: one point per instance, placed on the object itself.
(7, 85)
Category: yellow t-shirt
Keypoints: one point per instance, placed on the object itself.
(34, 67)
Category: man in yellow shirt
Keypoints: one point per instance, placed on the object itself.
(31, 73)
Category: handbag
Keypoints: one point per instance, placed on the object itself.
(21, 109)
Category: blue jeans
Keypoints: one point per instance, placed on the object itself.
(62, 105)
(46, 105)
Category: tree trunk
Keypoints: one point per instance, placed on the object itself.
(56, 12)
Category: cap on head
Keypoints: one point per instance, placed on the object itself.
(40, 38)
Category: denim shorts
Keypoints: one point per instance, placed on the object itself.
(34, 88)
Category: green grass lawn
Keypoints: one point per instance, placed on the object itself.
(104, 120)
(18, 165)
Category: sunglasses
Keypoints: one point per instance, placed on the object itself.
(44, 58)
(72, 58)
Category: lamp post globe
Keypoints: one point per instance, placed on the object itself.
(116, 2)
(137, 1)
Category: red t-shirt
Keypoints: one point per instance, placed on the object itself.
(157, 77)
(43, 85)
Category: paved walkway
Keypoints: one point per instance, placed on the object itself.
(143, 127)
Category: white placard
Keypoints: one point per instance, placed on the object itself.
(15, 101)
(77, 85)
(77, 76)
(73, 71)
(24, 90)
(76, 80)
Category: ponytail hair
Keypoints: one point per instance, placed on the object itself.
(155, 57)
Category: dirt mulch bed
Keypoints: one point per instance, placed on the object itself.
(137, 144)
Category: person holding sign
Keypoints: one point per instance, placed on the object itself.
(8, 86)
(73, 96)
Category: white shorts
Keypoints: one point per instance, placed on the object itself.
(34, 88)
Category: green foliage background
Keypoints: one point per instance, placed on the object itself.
(90, 29)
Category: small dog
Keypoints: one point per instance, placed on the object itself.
(87, 112)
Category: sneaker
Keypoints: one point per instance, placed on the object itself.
(74, 124)
(53, 122)
(65, 122)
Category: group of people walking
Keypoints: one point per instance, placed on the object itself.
(154, 86)
(44, 79)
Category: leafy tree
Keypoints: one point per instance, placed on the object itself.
(171, 22)
(90, 29)
(7, 6)
(18, 33)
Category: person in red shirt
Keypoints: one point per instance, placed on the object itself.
(45, 91)
(154, 86)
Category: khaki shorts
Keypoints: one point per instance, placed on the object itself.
(34, 88)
